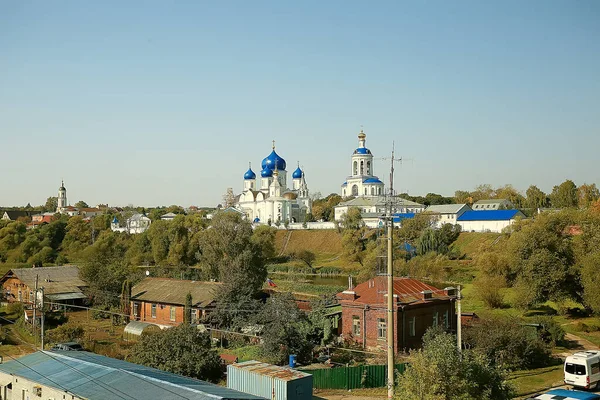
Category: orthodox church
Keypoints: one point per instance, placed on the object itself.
(268, 199)
(362, 181)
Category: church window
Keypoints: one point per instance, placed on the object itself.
(344, 192)
(355, 168)
(366, 191)
(380, 191)
(372, 191)
(362, 167)
(354, 190)
(368, 167)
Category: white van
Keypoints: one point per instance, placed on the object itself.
(583, 369)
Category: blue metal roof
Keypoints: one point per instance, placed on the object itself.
(400, 216)
(266, 173)
(93, 376)
(488, 215)
(362, 150)
(572, 394)
(372, 180)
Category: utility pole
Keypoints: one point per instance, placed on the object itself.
(35, 293)
(458, 321)
(42, 321)
(390, 285)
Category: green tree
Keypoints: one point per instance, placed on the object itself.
(306, 256)
(78, 237)
(81, 204)
(286, 330)
(51, 204)
(587, 194)
(181, 350)
(564, 195)
(187, 312)
(590, 279)
(511, 194)
(264, 238)
(536, 198)
(440, 372)
(463, 197)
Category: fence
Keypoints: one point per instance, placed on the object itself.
(365, 376)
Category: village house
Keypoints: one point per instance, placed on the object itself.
(417, 306)
(137, 223)
(62, 285)
(161, 301)
(488, 221)
(14, 215)
(446, 213)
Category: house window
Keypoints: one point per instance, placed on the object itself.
(356, 325)
(411, 326)
(435, 319)
(381, 328)
(172, 313)
(446, 320)
(194, 316)
(136, 307)
(153, 310)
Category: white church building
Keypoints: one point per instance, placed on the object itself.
(267, 198)
(362, 181)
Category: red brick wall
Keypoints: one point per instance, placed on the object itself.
(423, 314)
(163, 313)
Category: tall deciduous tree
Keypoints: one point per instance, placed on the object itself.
(564, 195)
(81, 204)
(587, 194)
(536, 198)
(51, 204)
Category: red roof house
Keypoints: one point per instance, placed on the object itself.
(416, 307)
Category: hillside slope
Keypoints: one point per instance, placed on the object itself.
(324, 243)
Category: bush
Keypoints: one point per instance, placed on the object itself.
(508, 342)
(551, 331)
(65, 333)
(583, 327)
(489, 290)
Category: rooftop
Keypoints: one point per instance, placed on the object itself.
(408, 290)
(273, 371)
(378, 201)
(93, 376)
(55, 280)
(490, 215)
(447, 208)
(174, 291)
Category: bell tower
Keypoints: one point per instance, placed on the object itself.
(62, 197)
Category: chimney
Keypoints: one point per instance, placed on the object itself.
(426, 294)
(450, 291)
(348, 294)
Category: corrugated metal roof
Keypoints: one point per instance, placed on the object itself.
(447, 208)
(408, 290)
(378, 200)
(274, 371)
(174, 291)
(492, 201)
(490, 215)
(55, 280)
(92, 376)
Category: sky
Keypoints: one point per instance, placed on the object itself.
(158, 103)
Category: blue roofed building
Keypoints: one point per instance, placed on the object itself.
(362, 181)
(488, 221)
(78, 375)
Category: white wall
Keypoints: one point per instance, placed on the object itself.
(24, 389)
(485, 226)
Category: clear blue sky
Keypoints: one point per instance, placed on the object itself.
(159, 103)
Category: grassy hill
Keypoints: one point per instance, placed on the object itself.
(321, 242)
(472, 243)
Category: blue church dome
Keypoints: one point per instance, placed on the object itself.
(273, 160)
(266, 173)
(249, 174)
(297, 174)
(372, 180)
(362, 150)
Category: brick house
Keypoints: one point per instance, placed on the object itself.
(161, 301)
(417, 306)
(61, 285)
